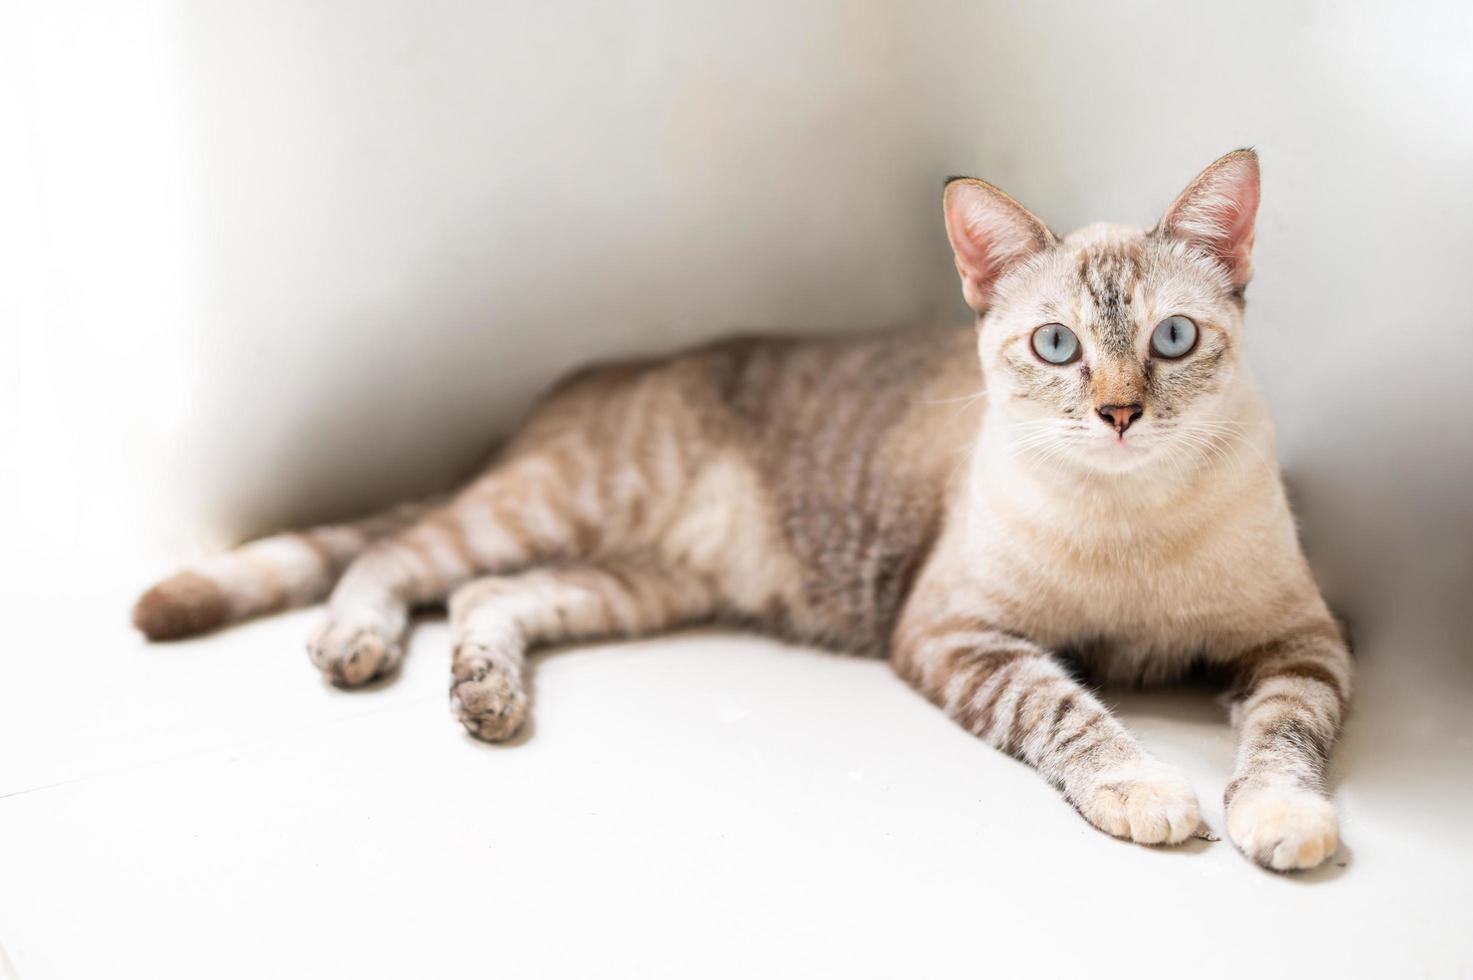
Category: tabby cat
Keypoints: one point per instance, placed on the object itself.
(1081, 485)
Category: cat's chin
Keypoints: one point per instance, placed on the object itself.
(1117, 455)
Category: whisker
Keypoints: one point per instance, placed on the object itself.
(949, 401)
(1223, 433)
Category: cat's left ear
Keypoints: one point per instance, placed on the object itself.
(1215, 214)
(990, 233)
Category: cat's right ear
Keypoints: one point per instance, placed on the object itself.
(990, 233)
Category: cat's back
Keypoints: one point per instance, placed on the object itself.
(814, 390)
(854, 443)
(821, 397)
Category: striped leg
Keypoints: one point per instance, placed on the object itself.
(1013, 695)
(517, 515)
(577, 482)
(1289, 700)
(497, 619)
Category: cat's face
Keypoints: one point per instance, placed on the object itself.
(1113, 347)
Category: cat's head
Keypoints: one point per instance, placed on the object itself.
(1112, 346)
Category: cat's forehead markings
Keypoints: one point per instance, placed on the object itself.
(1109, 269)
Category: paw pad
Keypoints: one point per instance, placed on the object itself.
(490, 703)
(352, 655)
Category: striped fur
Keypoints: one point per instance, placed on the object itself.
(942, 497)
(292, 569)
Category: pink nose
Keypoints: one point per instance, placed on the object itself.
(1120, 417)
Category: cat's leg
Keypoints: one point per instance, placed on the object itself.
(515, 516)
(599, 464)
(1289, 699)
(592, 471)
(1011, 693)
(495, 620)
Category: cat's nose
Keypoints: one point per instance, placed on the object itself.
(1120, 417)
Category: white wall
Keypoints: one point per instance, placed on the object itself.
(277, 260)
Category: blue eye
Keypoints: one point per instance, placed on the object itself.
(1056, 343)
(1174, 337)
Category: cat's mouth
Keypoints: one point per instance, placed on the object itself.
(1119, 451)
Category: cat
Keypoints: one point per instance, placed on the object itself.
(1085, 471)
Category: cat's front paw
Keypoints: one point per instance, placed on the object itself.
(1283, 827)
(486, 696)
(1147, 802)
(350, 654)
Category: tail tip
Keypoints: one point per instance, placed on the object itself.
(186, 604)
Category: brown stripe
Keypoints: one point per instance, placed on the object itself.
(634, 514)
(491, 501)
(1292, 700)
(1065, 705)
(1018, 730)
(982, 669)
(585, 535)
(615, 579)
(980, 722)
(1304, 670)
(964, 658)
(1084, 729)
(1297, 733)
(1085, 749)
(962, 624)
(417, 571)
(946, 628)
(1250, 659)
(980, 664)
(626, 582)
(620, 578)
(403, 568)
(448, 524)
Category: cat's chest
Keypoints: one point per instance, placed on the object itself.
(1139, 589)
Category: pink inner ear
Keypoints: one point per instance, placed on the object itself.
(989, 233)
(1217, 212)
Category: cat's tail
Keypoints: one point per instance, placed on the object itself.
(263, 576)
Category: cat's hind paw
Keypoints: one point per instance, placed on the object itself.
(350, 654)
(1285, 828)
(1149, 803)
(488, 699)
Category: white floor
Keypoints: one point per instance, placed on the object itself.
(706, 805)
